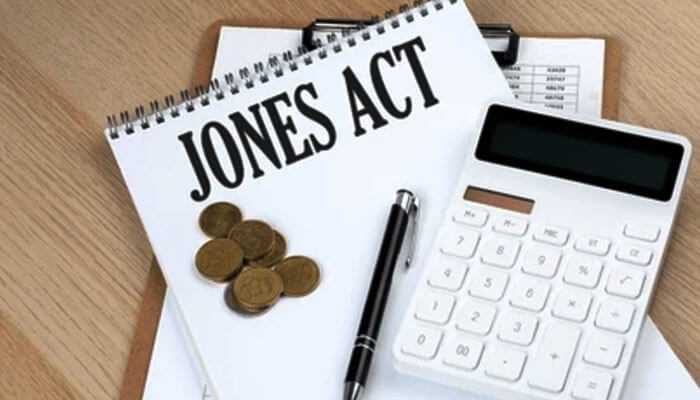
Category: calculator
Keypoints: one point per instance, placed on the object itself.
(541, 274)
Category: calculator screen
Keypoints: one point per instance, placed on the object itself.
(580, 152)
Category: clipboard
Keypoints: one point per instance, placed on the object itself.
(332, 27)
(139, 359)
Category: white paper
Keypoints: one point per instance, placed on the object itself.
(657, 372)
(240, 47)
(564, 74)
(332, 205)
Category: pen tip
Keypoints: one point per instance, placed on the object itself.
(353, 390)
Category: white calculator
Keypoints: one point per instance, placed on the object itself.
(542, 272)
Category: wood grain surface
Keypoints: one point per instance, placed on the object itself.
(73, 256)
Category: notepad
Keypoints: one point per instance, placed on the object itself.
(325, 182)
(174, 373)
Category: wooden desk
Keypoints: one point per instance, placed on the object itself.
(74, 255)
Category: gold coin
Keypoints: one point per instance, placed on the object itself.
(234, 306)
(255, 237)
(300, 275)
(217, 219)
(275, 255)
(219, 259)
(257, 288)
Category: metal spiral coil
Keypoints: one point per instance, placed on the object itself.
(263, 71)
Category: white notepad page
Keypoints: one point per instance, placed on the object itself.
(657, 373)
(331, 205)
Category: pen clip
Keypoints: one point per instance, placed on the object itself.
(413, 214)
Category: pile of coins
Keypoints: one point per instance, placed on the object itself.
(251, 257)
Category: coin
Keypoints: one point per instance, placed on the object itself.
(217, 219)
(219, 259)
(275, 255)
(234, 306)
(257, 288)
(255, 237)
(300, 275)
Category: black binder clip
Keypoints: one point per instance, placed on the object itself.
(313, 36)
(496, 36)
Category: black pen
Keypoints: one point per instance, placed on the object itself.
(404, 213)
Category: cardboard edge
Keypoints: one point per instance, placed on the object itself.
(134, 380)
(611, 79)
(136, 373)
(206, 53)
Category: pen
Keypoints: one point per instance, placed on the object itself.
(403, 215)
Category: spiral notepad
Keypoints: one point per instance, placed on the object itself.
(316, 144)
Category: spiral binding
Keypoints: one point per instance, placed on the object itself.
(263, 71)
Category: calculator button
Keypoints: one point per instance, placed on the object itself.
(552, 234)
(625, 282)
(460, 243)
(471, 216)
(572, 304)
(488, 284)
(421, 342)
(435, 307)
(615, 316)
(604, 350)
(529, 294)
(583, 271)
(648, 233)
(517, 328)
(510, 225)
(504, 363)
(462, 352)
(476, 317)
(592, 385)
(448, 274)
(550, 367)
(542, 261)
(593, 245)
(633, 254)
(500, 252)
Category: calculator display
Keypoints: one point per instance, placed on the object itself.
(580, 152)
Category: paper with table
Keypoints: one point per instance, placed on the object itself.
(576, 64)
(557, 73)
